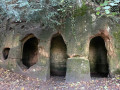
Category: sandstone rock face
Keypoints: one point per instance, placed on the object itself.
(47, 53)
(78, 69)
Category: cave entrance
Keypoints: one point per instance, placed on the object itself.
(6, 53)
(99, 66)
(30, 52)
(58, 56)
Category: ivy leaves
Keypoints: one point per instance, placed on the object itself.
(106, 8)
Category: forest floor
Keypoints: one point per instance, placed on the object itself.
(13, 81)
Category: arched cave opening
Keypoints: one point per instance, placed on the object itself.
(30, 52)
(99, 66)
(58, 56)
(6, 53)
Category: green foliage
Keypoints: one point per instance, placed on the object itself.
(48, 14)
(98, 8)
(97, 13)
(105, 8)
(80, 11)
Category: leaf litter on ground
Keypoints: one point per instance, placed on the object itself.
(13, 81)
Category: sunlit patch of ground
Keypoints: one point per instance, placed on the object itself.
(13, 81)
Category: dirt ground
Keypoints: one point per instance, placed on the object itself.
(13, 81)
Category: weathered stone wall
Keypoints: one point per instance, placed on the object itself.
(78, 69)
(77, 39)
